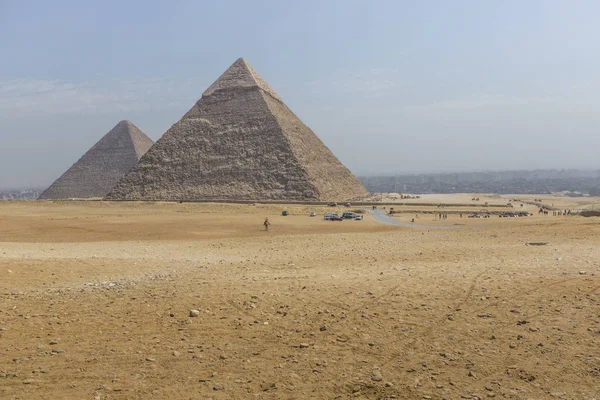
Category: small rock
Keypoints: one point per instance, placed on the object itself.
(304, 345)
(323, 328)
(176, 353)
(472, 374)
(194, 313)
(150, 359)
(28, 381)
(267, 386)
(582, 272)
(389, 384)
(218, 387)
(376, 376)
(512, 345)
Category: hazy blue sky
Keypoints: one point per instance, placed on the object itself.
(389, 86)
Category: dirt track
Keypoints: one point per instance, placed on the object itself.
(95, 300)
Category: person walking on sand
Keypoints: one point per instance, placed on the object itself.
(266, 223)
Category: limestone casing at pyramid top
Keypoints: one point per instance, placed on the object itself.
(141, 142)
(238, 76)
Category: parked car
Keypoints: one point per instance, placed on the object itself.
(349, 215)
(313, 214)
(332, 204)
(332, 217)
(358, 217)
(285, 213)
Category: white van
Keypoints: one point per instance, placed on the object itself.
(331, 216)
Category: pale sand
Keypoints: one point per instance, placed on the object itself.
(423, 307)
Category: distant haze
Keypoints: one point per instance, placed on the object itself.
(389, 86)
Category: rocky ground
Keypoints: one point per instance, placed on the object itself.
(194, 301)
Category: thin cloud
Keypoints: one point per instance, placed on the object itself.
(482, 101)
(31, 97)
(373, 83)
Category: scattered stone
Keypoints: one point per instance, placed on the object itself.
(376, 376)
(150, 359)
(582, 272)
(194, 313)
(28, 381)
(304, 345)
(176, 353)
(323, 328)
(472, 374)
(218, 387)
(512, 345)
(267, 386)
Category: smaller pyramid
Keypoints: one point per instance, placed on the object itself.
(99, 170)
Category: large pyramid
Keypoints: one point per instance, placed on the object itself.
(99, 170)
(239, 142)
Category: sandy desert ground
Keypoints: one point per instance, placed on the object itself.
(95, 303)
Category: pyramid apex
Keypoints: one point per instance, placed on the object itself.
(238, 76)
(125, 123)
